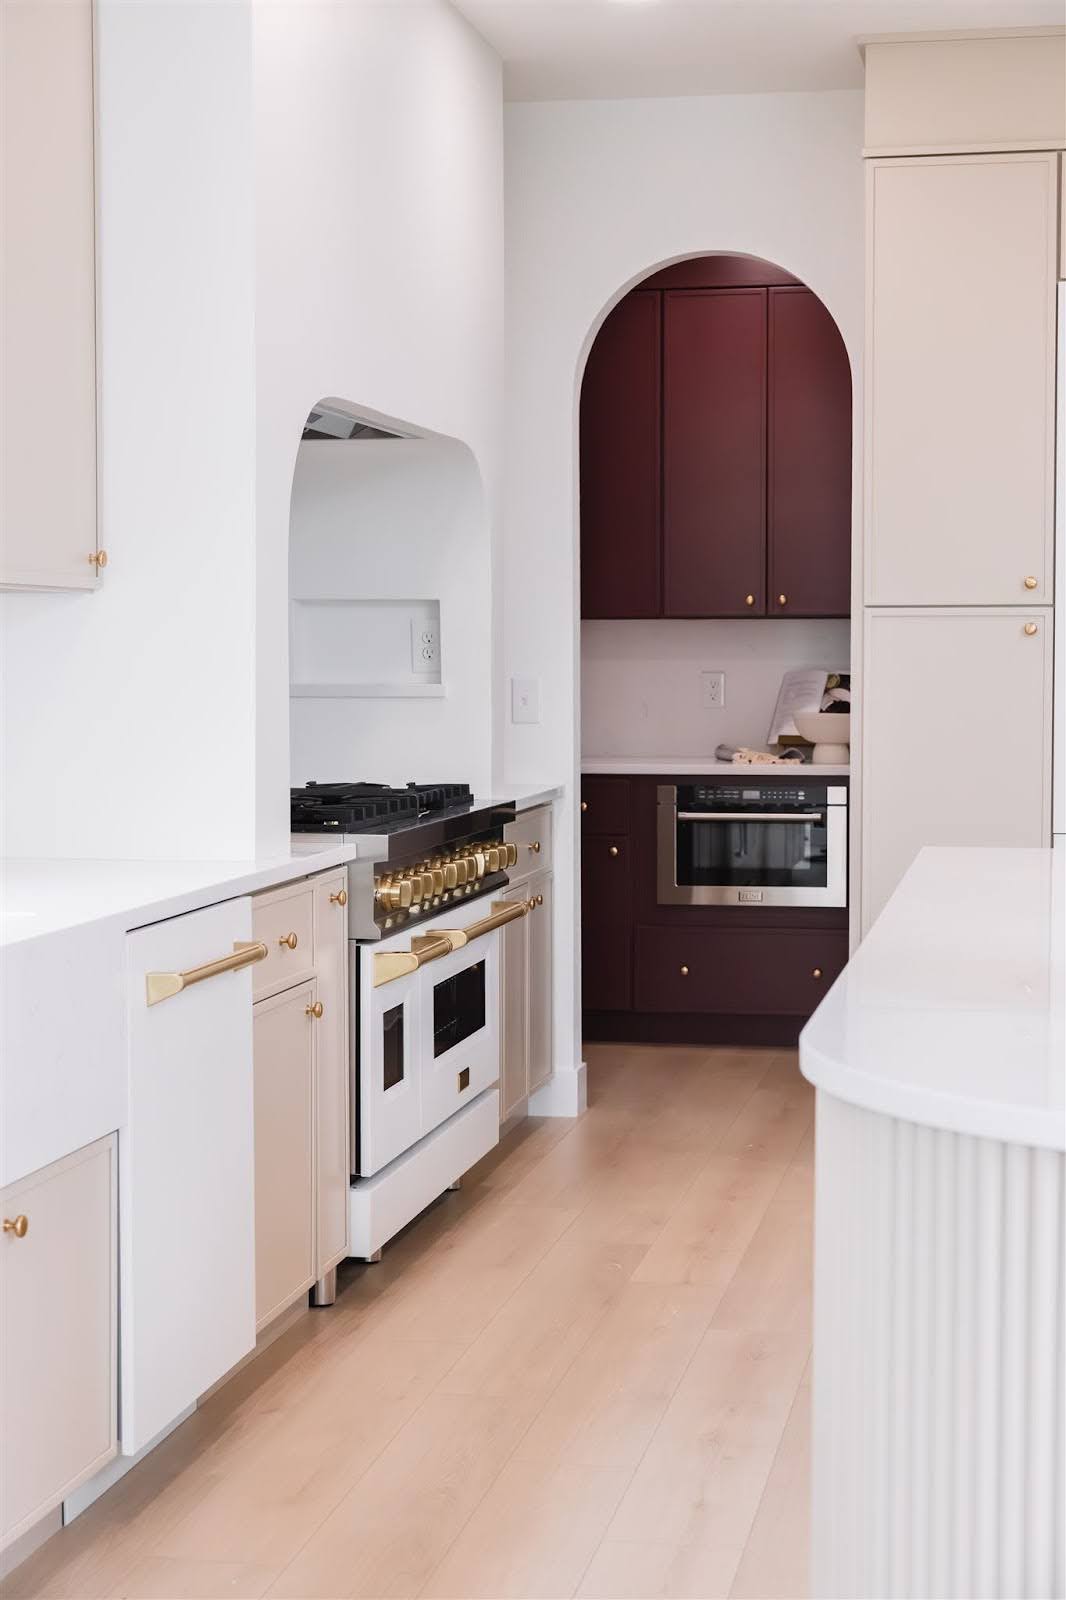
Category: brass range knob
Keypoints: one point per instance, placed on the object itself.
(340, 898)
(19, 1226)
(612, 850)
(512, 854)
(315, 1009)
(396, 896)
(289, 940)
(451, 875)
(1032, 583)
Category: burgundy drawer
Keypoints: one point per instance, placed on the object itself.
(605, 805)
(743, 971)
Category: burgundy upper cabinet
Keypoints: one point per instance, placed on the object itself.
(621, 474)
(714, 453)
(809, 478)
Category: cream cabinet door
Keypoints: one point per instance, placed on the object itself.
(960, 380)
(48, 300)
(514, 1003)
(284, 1033)
(58, 1329)
(540, 981)
(956, 736)
(332, 1116)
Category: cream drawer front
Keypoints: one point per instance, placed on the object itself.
(531, 831)
(284, 921)
(58, 1324)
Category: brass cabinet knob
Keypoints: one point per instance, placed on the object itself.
(1030, 628)
(684, 972)
(613, 851)
(289, 940)
(19, 1226)
(817, 973)
(782, 599)
(540, 899)
(749, 599)
(1031, 582)
(315, 1009)
(98, 559)
(584, 805)
(340, 898)
(535, 847)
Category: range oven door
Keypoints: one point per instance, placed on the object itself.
(387, 1091)
(773, 854)
(460, 1028)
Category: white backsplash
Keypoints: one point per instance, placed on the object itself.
(641, 688)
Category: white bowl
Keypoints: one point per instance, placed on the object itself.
(830, 734)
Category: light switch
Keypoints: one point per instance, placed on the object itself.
(525, 699)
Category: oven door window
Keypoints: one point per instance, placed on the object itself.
(791, 854)
(393, 1065)
(458, 1008)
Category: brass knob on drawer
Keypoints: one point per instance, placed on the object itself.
(584, 805)
(782, 599)
(315, 1009)
(535, 847)
(340, 898)
(19, 1226)
(1031, 582)
(289, 940)
(684, 972)
(1030, 628)
(749, 599)
(98, 559)
(613, 850)
(540, 899)
(817, 973)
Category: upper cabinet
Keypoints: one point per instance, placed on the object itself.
(620, 465)
(716, 450)
(960, 392)
(48, 524)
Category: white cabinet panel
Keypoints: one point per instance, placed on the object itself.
(48, 302)
(284, 1034)
(514, 1029)
(187, 1190)
(941, 687)
(540, 981)
(332, 1116)
(960, 380)
(58, 1326)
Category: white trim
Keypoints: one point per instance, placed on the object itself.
(564, 1095)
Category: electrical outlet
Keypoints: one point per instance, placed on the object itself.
(712, 690)
(525, 699)
(425, 645)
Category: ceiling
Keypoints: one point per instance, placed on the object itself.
(619, 49)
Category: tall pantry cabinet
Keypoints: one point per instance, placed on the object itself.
(963, 251)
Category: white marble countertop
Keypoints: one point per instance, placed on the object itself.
(699, 767)
(951, 1012)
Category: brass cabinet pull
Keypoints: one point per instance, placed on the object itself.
(1030, 628)
(782, 599)
(340, 898)
(613, 850)
(315, 1009)
(289, 940)
(162, 985)
(535, 847)
(817, 973)
(98, 559)
(684, 972)
(584, 805)
(749, 599)
(1031, 582)
(19, 1226)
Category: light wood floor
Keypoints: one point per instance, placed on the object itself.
(587, 1373)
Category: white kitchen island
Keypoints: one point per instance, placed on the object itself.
(938, 1057)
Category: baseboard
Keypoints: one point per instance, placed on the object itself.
(655, 1027)
(82, 1498)
(564, 1095)
(28, 1543)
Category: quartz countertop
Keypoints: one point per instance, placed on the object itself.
(951, 1011)
(699, 767)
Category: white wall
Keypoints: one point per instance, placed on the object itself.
(641, 693)
(129, 713)
(395, 521)
(598, 193)
(379, 144)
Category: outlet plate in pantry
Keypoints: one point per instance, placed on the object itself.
(712, 690)
(425, 645)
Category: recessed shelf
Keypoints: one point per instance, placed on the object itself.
(367, 691)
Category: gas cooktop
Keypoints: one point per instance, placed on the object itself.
(373, 807)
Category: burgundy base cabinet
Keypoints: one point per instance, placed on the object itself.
(741, 972)
(607, 869)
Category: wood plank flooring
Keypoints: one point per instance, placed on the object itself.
(586, 1373)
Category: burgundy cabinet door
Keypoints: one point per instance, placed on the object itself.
(714, 447)
(606, 923)
(809, 481)
(620, 470)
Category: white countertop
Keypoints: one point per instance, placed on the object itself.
(698, 767)
(951, 1011)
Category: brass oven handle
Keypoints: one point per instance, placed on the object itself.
(503, 911)
(749, 816)
(392, 964)
(161, 985)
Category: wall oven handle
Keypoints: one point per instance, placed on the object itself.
(503, 911)
(392, 964)
(749, 816)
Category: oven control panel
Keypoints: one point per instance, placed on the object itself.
(423, 887)
(755, 797)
